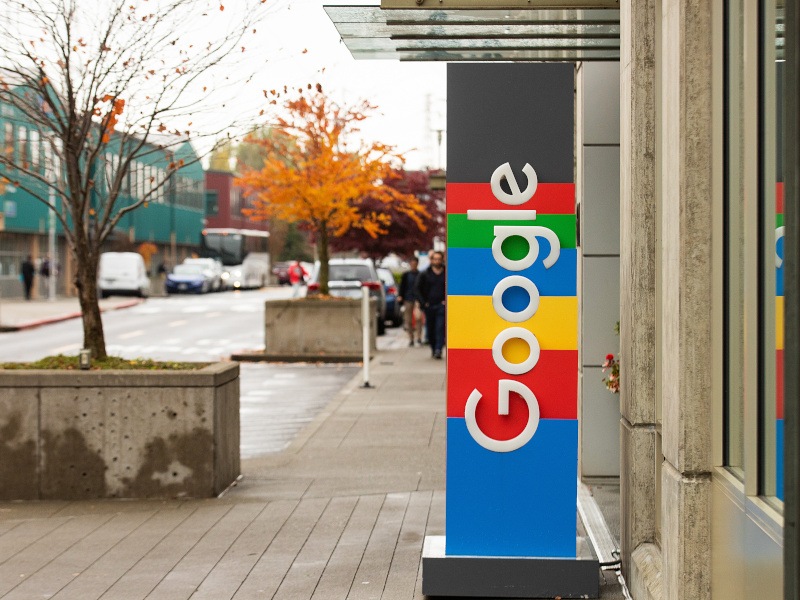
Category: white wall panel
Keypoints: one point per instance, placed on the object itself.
(601, 102)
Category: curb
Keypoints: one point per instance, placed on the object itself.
(63, 317)
(298, 358)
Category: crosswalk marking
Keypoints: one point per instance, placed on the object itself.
(131, 334)
(67, 348)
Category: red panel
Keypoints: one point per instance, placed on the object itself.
(550, 199)
(779, 384)
(779, 197)
(554, 382)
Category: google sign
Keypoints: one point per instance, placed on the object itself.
(512, 326)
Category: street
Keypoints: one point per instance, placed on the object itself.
(277, 400)
(184, 328)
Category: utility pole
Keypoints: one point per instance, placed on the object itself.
(51, 247)
(439, 148)
(51, 230)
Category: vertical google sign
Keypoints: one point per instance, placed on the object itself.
(512, 312)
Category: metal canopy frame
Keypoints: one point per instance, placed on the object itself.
(479, 34)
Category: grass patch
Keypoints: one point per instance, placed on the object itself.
(72, 363)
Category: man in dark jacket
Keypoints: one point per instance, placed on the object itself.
(407, 295)
(27, 273)
(431, 294)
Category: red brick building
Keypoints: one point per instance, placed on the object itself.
(225, 202)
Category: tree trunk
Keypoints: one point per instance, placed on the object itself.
(322, 243)
(86, 282)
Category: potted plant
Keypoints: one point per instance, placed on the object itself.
(132, 429)
(611, 366)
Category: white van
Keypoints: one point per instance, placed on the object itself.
(122, 273)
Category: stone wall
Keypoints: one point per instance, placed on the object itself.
(119, 434)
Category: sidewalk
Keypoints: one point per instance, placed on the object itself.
(341, 514)
(20, 314)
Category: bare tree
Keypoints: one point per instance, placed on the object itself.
(108, 85)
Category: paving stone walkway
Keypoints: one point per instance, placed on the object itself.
(339, 514)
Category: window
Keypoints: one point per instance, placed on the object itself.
(109, 171)
(236, 202)
(8, 141)
(35, 150)
(22, 147)
(212, 202)
(58, 164)
(132, 176)
(735, 243)
(753, 247)
(771, 230)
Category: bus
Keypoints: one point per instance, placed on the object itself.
(244, 254)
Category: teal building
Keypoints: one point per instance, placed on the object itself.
(165, 229)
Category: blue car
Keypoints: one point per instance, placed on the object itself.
(393, 313)
(188, 279)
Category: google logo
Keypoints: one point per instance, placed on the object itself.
(531, 234)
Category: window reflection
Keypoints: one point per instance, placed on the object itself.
(734, 237)
(772, 231)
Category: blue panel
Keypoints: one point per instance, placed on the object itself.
(520, 503)
(779, 459)
(474, 272)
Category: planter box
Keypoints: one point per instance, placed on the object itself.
(315, 329)
(118, 434)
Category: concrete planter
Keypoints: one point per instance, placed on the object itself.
(315, 329)
(118, 434)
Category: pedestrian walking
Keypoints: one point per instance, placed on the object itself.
(27, 273)
(431, 293)
(297, 276)
(407, 296)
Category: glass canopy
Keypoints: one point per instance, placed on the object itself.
(552, 35)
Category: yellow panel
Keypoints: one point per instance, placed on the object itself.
(472, 322)
(779, 322)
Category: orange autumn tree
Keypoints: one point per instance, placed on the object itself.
(317, 175)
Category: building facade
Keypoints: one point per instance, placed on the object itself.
(708, 265)
(166, 228)
(225, 202)
(702, 302)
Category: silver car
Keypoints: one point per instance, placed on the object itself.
(212, 268)
(346, 277)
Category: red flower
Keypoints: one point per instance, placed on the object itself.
(609, 357)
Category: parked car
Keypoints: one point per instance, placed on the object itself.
(346, 277)
(393, 313)
(214, 268)
(122, 273)
(280, 270)
(189, 279)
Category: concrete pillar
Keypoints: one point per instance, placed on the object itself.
(638, 275)
(687, 298)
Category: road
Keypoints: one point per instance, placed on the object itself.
(191, 328)
(277, 400)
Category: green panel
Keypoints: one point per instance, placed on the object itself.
(462, 233)
(152, 223)
(30, 214)
(778, 220)
(188, 225)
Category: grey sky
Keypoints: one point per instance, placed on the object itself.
(299, 41)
